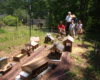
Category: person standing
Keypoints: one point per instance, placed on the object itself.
(71, 29)
(79, 29)
(75, 22)
(68, 22)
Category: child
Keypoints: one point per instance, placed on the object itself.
(71, 29)
(79, 29)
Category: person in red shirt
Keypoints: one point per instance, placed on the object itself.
(61, 27)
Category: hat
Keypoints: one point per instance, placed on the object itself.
(73, 16)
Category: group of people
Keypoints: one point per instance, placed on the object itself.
(72, 26)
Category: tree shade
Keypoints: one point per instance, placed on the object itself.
(85, 10)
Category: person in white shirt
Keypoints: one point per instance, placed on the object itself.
(71, 29)
(68, 22)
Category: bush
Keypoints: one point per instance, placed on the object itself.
(11, 21)
(21, 14)
(2, 23)
(88, 24)
(19, 23)
(1, 18)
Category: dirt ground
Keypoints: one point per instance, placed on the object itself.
(13, 51)
(66, 62)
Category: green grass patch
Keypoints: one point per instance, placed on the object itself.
(76, 57)
(90, 48)
(73, 74)
(2, 31)
(16, 38)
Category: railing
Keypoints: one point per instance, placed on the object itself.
(96, 54)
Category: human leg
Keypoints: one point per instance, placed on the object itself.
(67, 28)
(70, 33)
(75, 31)
(80, 36)
(66, 31)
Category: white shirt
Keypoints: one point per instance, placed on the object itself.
(68, 18)
(80, 26)
(71, 26)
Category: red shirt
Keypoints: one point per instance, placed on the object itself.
(61, 26)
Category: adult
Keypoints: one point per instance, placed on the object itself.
(68, 22)
(75, 22)
(40, 25)
(61, 28)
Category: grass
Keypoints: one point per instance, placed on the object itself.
(88, 73)
(2, 31)
(11, 37)
(92, 36)
(79, 60)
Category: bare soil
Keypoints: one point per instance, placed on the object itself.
(66, 62)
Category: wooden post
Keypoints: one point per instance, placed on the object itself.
(51, 30)
(71, 47)
(97, 59)
(95, 46)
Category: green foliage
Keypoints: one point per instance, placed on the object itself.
(2, 30)
(2, 23)
(85, 10)
(90, 48)
(1, 18)
(21, 14)
(72, 74)
(89, 24)
(21, 37)
(79, 59)
(90, 68)
(11, 21)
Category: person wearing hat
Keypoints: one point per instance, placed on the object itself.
(75, 22)
(68, 22)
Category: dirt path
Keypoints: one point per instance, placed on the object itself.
(66, 62)
(60, 69)
(17, 68)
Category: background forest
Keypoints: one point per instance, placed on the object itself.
(86, 10)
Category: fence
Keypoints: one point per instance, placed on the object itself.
(96, 51)
(39, 17)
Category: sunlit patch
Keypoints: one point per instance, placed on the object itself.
(77, 50)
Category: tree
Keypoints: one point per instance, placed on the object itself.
(21, 14)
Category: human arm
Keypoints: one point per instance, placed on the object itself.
(66, 21)
(59, 28)
(77, 26)
(81, 26)
(63, 28)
